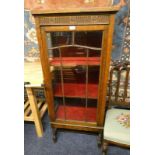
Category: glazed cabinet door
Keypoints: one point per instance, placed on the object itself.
(74, 56)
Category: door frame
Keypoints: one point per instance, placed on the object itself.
(104, 66)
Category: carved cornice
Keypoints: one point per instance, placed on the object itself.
(75, 20)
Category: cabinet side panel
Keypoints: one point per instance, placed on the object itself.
(104, 72)
(45, 69)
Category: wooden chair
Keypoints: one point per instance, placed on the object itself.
(117, 118)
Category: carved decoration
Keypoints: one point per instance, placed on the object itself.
(119, 84)
(75, 20)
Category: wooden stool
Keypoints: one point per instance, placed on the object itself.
(34, 109)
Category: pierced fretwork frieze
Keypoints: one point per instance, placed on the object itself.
(75, 20)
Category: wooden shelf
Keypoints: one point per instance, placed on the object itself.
(76, 90)
(77, 113)
(75, 61)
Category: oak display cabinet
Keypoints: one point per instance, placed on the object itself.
(75, 51)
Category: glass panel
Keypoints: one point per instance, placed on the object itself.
(75, 93)
(60, 38)
(74, 59)
(92, 91)
(89, 38)
(91, 110)
(58, 93)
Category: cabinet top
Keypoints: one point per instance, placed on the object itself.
(70, 6)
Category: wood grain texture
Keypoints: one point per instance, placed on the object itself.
(45, 68)
(105, 71)
(76, 127)
(77, 28)
(70, 6)
(104, 68)
(35, 111)
(33, 73)
(28, 115)
(120, 96)
(107, 142)
(74, 20)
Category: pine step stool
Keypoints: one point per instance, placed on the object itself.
(34, 107)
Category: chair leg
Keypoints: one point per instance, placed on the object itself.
(104, 147)
(54, 133)
(99, 138)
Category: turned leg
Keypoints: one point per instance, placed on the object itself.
(54, 133)
(104, 147)
(99, 139)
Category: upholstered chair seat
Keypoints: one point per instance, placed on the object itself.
(117, 126)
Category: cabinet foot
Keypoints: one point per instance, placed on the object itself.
(54, 135)
(99, 139)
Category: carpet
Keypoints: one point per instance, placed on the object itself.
(68, 143)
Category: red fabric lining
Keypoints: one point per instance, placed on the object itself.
(77, 113)
(73, 61)
(76, 90)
